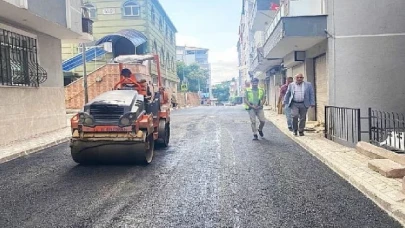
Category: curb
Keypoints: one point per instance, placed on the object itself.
(375, 152)
(391, 207)
(33, 150)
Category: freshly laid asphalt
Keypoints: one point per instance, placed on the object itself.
(212, 175)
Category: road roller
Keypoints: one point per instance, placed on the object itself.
(124, 124)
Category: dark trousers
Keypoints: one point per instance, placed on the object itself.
(299, 116)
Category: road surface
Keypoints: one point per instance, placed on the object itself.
(212, 175)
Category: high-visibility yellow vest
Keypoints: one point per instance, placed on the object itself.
(249, 94)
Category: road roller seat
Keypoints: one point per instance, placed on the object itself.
(128, 79)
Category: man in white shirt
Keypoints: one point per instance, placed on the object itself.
(299, 97)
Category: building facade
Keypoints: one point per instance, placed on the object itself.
(142, 21)
(291, 39)
(31, 79)
(244, 45)
(350, 51)
(190, 55)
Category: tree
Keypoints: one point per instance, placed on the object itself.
(221, 91)
(193, 75)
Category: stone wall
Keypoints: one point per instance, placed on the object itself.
(106, 77)
(192, 99)
(101, 80)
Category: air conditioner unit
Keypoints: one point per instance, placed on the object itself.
(299, 55)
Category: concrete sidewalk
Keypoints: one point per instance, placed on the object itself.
(352, 166)
(34, 144)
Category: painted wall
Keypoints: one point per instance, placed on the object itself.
(53, 10)
(50, 60)
(165, 40)
(29, 111)
(306, 7)
(110, 19)
(366, 67)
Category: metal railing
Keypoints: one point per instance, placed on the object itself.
(19, 61)
(387, 129)
(343, 124)
(280, 13)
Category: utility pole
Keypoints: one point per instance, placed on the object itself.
(86, 94)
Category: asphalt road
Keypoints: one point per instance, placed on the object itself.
(212, 175)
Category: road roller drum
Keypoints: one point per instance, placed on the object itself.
(122, 125)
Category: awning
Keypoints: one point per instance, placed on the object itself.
(136, 37)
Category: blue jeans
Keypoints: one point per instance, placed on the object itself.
(287, 111)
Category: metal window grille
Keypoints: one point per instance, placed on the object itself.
(19, 61)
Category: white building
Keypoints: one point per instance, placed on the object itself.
(190, 55)
(350, 51)
(31, 80)
(255, 17)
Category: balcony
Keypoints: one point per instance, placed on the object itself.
(58, 18)
(261, 64)
(262, 14)
(297, 32)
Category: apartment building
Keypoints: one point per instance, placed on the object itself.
(350, 50)
(126, 27)
(244, 45)
(31, 79)
(197, 55)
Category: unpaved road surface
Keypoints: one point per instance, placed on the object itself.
(212, 175)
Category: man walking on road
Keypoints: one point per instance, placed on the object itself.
(254, 101)
(287, 110)
(299, 97)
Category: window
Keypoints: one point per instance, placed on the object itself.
(168, 60)
(173, 66)
(162, 56)
(91, 10)
(19, 61)
(131, 9)
(154, 48)
(160, 23)
(171, 37)
(153, 15)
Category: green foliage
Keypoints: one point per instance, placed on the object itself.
(194, 76)
(221, 91)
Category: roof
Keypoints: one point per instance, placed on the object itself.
(192, 48)
(115, 97)
(136, 37)
(133, 58)
(160, 7)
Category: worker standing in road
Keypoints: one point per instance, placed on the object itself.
(254, 101)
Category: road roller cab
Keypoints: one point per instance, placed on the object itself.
(124, 124)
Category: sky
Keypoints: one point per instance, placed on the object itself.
(212, 24)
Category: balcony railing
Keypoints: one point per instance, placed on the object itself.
(253, 14)
(280, 13)
(296, 8)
